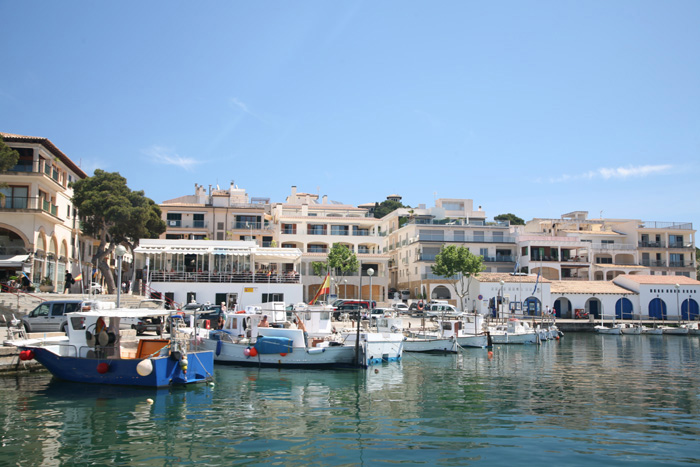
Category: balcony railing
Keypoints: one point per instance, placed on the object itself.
(188, 225)
(666, 225)
(680, 245)
(647, 244)
(244, 277)
(459, 222)
(499, 259)
(254, 225)
(31, 202)
(613, 246)
(653, 263)
(427, 237)
(680, 264)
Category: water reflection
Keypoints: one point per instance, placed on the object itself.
(585, 399)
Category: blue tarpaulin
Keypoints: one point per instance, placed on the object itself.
(273, 344)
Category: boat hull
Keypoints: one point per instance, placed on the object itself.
(166, 370)
(477, 341)
(230, 353)
(438, 345)
(508, 338)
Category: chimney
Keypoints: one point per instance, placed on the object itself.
(324, 199)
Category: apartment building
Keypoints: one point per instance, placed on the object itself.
(314, 224)
(414, 237)
(39, 226)
(218, 214)
(576, 247)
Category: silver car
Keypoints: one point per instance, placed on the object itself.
(50, 316)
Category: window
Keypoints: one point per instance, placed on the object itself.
(459, 236)
(272, 297)
(479, 236)
(289, 229)
(198, 221)
(339, 230)
(484, 252)
(174, 219)
(15, 196)
(316, 229)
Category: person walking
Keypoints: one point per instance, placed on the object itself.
(68, 279)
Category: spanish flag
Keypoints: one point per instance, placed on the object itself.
(79, 277)
(324, 289)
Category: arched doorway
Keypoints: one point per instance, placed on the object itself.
(657, 309)
(562, 308)
(441, 293)
(594, 307)
(689, 310)
(532, 306)
(624, 309)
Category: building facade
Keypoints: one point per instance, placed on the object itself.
(39, 228)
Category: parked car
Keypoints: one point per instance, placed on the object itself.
(50, 316)
(95, 288)
(441, 310)
(400, 307)
(151, 323)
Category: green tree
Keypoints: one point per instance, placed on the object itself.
(8, 159)
(514, 220)
(113, 214)
(340, 262)
(458, 265)
(385, 207)
(697, 262)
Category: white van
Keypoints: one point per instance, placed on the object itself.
(442, 310)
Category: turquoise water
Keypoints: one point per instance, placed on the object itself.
(583, 400)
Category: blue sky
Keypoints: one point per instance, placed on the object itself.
(536, 108)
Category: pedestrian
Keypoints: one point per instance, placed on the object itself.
(68, 279)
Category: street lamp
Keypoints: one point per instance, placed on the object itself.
(678, 304)
(345, 289)
(119, 251)
(248, 224)
(501, 304)
(370, 273)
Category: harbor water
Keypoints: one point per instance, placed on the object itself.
(586, 399)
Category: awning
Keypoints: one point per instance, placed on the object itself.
(13, 261)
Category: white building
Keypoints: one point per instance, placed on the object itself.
(238, 273)
(664, 297)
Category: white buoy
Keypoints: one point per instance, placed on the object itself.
(150, 401)
(144, 367)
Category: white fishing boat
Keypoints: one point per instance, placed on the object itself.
(693, 328)
(514, 331)
(312, 343)
(630, 329)
(674, 330)
(614, 329)
(420, 341)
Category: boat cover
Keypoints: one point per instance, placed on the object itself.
(273, 344)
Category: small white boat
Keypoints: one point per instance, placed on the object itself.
(514, 332)
(632, 329)
(674, 331)
(615, 329)
(653, 331)
(693, 328)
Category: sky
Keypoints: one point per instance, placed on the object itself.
(536, 108)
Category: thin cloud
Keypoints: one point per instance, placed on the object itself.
(618, 173)
(161, 155)
(244, 107)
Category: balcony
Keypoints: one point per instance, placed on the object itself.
(680, 264)
(459, 222)
(440, 237)
(613, 246)
(29, 203)
(666, 225)
(680, 245)
(647, 244)
(251, 225)
(653, 263)
(187, 225)
(499, 259)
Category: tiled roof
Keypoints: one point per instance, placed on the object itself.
(661, 280)
(10, 137)
(508, 278)
(587, 287)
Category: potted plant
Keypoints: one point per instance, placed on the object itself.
(46, 284)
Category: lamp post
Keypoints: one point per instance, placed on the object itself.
(345, 289)
(249, 225)
(501, 304)
(119, 251)
(370, 273)
(678, 303)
